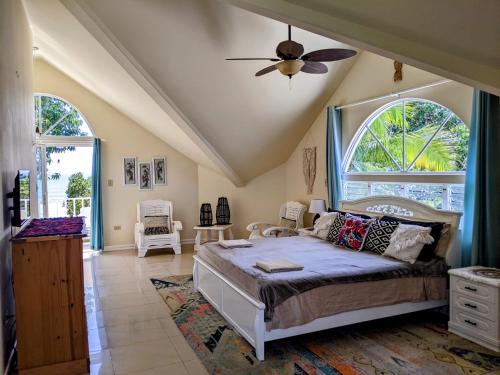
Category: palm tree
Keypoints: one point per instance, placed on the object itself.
(381, 147)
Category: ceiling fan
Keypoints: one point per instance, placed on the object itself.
(291, 60)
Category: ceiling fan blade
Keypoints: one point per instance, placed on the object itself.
(269, 69)
(256, 58)
(314, 67)
(289, 50)
(330, 54)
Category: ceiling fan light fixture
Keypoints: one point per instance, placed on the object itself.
(290, 67)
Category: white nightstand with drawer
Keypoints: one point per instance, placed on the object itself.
(474, 305)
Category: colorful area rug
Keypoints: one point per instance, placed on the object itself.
(411, 344)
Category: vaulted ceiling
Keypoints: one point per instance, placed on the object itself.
(163, 64)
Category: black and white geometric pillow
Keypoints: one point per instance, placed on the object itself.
(335, 228)
(379, 235)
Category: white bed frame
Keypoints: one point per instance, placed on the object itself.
(246, 313)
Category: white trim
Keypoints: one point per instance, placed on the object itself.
(55, 140)
(119, 247)
(131, 246)
(396, 94)
(424, 178)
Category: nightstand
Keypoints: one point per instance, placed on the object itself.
(306, 231)
(474, 305)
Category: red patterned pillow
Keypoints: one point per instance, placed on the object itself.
(353, 232)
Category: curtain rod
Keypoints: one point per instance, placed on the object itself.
(393, 94)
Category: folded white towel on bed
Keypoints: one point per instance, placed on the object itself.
(278, 266)
(231, 244)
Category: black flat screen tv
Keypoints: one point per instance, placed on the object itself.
(21, 198)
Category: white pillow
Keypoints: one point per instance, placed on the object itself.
(407, 241)
(322, 225)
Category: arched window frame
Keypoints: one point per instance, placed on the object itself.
(451, 181)
(52, 140)
(42, 141)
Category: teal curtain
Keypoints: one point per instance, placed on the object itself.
(481, 229)
(334, 156)
(96, 235)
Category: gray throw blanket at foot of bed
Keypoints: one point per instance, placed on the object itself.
(324, 264)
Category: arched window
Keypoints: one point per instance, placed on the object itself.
(414, 148)
(55, 117)
(63, 157)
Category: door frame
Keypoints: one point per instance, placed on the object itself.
(41, 142)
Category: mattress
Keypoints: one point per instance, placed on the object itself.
(333, 280)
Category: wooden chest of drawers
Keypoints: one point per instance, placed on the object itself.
(474, 307)
(50, 310)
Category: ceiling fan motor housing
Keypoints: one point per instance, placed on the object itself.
(290, 67)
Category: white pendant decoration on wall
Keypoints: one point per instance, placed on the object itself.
(309, 167)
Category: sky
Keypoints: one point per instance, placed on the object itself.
(70, 162)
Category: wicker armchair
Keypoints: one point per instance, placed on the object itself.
(291, 220)
(169, 238)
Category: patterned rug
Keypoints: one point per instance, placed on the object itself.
(418, 343)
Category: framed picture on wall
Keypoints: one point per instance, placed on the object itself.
(159, 170)
(145, 177)
(130, 170)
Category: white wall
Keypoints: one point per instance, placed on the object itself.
(259, 200)
(371, 76)
(123, 137)
(16, 143)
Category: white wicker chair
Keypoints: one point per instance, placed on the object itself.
(291, 220)
(156, 241)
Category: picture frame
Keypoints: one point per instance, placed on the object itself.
(129, 170)
(145, 177)
(159, 171)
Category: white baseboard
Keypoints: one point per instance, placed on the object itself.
(187, 241)
(119, 247)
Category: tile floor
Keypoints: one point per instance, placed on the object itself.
(129, 327)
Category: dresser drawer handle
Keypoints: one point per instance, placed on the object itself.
(470, 322)
(471, 306)
(471, 289)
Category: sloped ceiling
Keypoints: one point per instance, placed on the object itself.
(246, 124)
(456, 39)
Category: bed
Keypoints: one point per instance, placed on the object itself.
(336, 287)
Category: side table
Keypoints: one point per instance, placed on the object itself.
(208, 230)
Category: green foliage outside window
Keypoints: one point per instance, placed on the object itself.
(78, 186)
(50, 111)
(412, 136)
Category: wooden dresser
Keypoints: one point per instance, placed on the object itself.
(474, 305)
(50, 305)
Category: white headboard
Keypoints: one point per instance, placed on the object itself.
(409, 209)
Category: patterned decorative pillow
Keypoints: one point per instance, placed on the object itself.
(154, 225)
(407, 242)
(353, 232)
(288, 223)
(379, 236)
(151, 231)
(428, 251)
(335, 228)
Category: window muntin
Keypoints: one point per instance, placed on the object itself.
(407, 136)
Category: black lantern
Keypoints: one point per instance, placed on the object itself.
(206, 215)
(223, 214)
